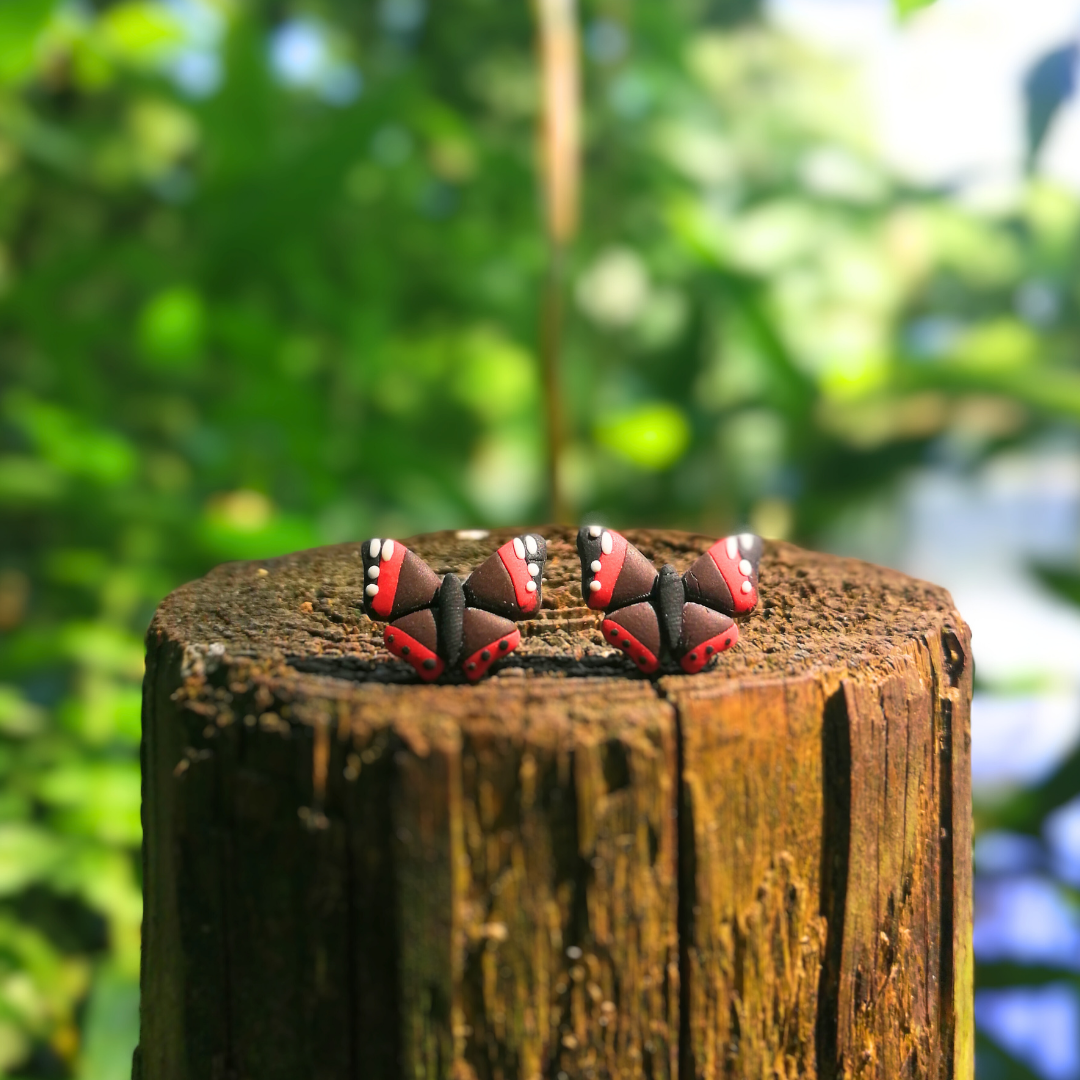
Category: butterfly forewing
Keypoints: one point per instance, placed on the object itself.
(508, 582)
(726, 576)
(396, 580)
(614, 573)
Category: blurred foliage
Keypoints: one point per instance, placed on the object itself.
(269, 279)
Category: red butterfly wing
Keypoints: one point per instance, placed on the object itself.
(613, 572)
(704, 634)
(636, 630)
(485, 637)
(415, 639)
(726, 576)
(396, 581)
(508, 582)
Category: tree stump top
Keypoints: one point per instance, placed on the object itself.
(301, 614)
(569, 868)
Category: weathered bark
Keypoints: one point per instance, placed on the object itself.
(760, 871)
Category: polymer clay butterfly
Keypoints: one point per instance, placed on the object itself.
(652, 613)
(439, 623)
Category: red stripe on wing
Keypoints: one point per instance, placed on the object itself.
(476, 666)
(389, 569)
(701, 654)
(620, 636)
(610, 568)
(728, 565)
(518, 569)
(428, 665)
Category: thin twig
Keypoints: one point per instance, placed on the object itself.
(559, 139)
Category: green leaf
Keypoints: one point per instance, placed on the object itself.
(904, 8)
(1026, 810)
(171, 328)
(24, 479)
(102, 648)
(1064, 583)
(998, 1064)
(652, 436)
(1002, 974)
(112, 1026)
(95, 799)
(19, 717)
(139, 32)
(21, 25)
(28, 853)
(69, 442)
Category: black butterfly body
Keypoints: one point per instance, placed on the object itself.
(652, 613)
(439, 623)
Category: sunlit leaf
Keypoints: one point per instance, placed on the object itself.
(21, 25)
(141, 31)
(495, 376)
(904, 8)
(69, 442)
(19, 717)
(652, 436)
(96, 799)
(103, 648)
(28, 853)
(171, 328)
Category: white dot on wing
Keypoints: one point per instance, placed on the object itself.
(388, 550)
(372, 571)
(595, 566)
(745, 567)
(519, 547)
(530, 544)
(606, 543)
(747, 540)
(594, 586)
(373, 548)
(732, 547)
(372, 590)
(747, 587)
(595, 531)
(530, 586)
(534, 569)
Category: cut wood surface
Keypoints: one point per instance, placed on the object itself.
(761, 871)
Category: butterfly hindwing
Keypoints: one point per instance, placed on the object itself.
(485, 637)
(726, 576)
(614, 573)
(396, 581)
(705, 633)
(636, 630)
(415, 639)
(508, 582)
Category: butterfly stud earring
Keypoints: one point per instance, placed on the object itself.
(439, 623)
(652, 613)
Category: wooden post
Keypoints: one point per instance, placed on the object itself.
(569, 869)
